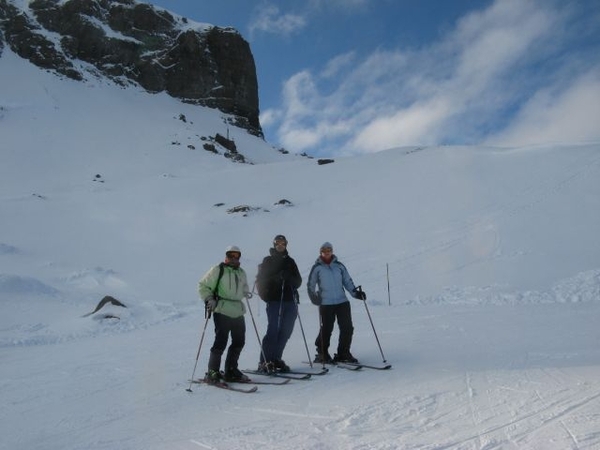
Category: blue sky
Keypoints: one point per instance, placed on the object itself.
(340, 77)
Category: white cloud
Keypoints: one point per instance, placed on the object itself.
(341, 5)
(458, 90)
(299, 95)
(414, 124)
(337, 64)
(557, 115)
(302, 100)
(491, 43)
(268, 19)
(268, 117)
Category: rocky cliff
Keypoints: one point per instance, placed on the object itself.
(131, 42)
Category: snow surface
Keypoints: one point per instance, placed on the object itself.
(491, 323)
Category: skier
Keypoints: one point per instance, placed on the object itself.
(278, 280)
(331, 277)
(223, 288)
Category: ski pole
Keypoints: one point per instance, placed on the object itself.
(372, 326)
(262, 352)
(302, 329)
(280, 307)
(199, 347)
(255, 293)
(322, 337)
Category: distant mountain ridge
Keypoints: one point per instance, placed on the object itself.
(131, 42)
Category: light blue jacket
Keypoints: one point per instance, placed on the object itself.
(331, 279)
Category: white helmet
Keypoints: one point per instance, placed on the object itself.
(233, 248)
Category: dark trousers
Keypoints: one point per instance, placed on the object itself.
(343, 314)
(224, 326)
(281, 318)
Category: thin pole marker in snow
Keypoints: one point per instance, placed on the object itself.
(387, 268)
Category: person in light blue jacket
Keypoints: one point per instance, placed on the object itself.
(326, 283)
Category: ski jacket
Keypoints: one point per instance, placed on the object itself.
(331, 280)
(230, 292)
(278, 272)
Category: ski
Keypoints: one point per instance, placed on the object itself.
(227, 386)
(348, 366)
(367, 366)
(321, 371)
(342, 365)
(274, 383)
(250, 381)
(287, 375)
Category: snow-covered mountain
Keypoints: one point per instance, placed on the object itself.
(490, 320)
(135, 43)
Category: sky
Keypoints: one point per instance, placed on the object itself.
(359, 76)
(490, 322)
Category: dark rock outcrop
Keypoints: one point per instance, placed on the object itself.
(132, 42)
(325, 161)
(107, 299)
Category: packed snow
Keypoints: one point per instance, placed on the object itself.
(491, 255)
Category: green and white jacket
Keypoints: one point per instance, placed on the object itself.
(231, 291)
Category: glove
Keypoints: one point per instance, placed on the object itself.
(296, 297)
(211, 303)
(248, 295)
(359, 294)
(315, 297)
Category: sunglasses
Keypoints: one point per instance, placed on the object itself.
(233, 255)
(326, 250)
(281, 243)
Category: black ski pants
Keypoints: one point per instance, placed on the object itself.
(343, 314)
(224, 326)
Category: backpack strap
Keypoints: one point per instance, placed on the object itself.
(208, 312)
(221, 270)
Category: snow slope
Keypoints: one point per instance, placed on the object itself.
(490, 324)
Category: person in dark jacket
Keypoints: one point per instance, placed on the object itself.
(331, 277)
(278, 280)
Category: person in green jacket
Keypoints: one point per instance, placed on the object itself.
(223, 289)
